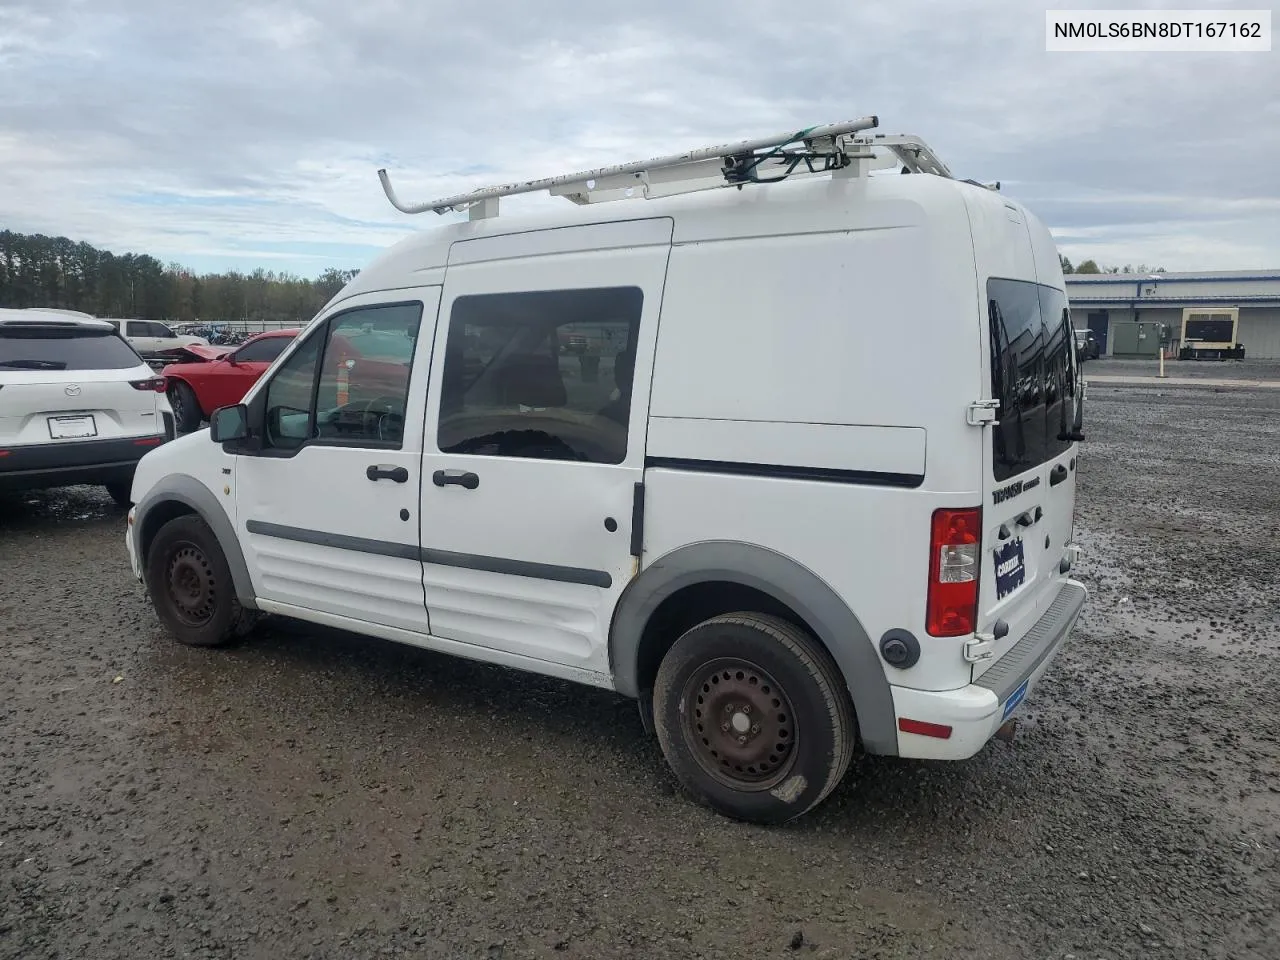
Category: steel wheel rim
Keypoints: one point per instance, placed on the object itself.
(739, 724)
(190, 585)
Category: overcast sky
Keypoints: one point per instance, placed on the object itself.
(231, 135)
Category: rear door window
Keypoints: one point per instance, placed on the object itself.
(42, 349)
(1033, 374)
(1060, 371)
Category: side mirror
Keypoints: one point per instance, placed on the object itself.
(229, 423)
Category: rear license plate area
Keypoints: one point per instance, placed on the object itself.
(72, 428)
(1010, 567)
(1015, 699)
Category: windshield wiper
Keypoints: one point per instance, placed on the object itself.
(34, 364)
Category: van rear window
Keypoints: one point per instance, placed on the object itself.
(1033, 374)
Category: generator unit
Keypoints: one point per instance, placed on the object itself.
(1210, 334)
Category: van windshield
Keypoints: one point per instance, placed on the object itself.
(1033, 374)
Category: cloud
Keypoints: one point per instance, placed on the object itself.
(239, 133)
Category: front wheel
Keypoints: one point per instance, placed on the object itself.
(191, 587)
(186, 408)
(753, 717)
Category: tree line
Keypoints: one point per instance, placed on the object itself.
(1089, 266)
(40, 271)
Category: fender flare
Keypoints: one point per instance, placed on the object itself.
(786, 581)
(192, 493)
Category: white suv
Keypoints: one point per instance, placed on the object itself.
(154, 340)
(77, 404)
(652, 446)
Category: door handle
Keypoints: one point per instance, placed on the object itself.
(1057, 475)
(398, 474)
(442, 478)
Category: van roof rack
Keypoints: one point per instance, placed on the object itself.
(830, 148)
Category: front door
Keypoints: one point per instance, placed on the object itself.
(327, 509)
(534, 446)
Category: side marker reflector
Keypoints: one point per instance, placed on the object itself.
(938, 730)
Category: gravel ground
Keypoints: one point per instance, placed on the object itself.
(311, 794)
(1199, 369)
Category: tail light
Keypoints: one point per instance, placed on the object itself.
(155, 384)
(955, 553)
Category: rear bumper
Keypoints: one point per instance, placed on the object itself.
(82, 461)
(975, 712)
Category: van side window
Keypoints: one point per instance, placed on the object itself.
(364, 380)
(289, 396)
(357, 395)
(543, 374)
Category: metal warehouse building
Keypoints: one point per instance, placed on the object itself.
(1124, 309)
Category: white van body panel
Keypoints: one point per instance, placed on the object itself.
(823, 446)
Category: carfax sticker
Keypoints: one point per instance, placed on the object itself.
(1011, 570)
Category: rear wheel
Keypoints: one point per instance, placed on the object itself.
(120, 491)
(753, 717)
(186, 408)
(191, 586)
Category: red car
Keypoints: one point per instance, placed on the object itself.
(219, 376)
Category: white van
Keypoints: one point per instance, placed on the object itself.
(657, 446)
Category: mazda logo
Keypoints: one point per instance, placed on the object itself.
(72, 389)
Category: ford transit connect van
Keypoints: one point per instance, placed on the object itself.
(652, 444)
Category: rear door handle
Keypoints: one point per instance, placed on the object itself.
(442, 478)
(377, 472)
(1057, 475)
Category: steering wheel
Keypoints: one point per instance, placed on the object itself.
(382, 419)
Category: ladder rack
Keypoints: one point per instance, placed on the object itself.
(835, 148)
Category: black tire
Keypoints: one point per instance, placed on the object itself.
(186, 408)
(120, 490)
(191, 587)
(802, 742)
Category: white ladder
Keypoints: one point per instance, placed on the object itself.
(834, 148)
